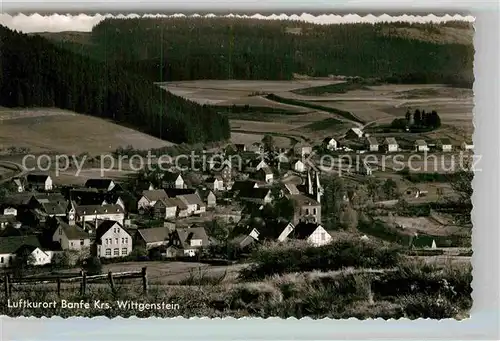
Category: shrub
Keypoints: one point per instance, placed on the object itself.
(344, 253)
(93, 266)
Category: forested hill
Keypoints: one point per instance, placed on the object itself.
(166, 49)
(35, 72)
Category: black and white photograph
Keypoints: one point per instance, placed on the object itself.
(237, 165)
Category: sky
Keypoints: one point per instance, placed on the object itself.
(84, 23)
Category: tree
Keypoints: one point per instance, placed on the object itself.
(417, 117)
(217, 230)
(268, 142)
(390, 189)
(408, 116)
(331, 204)
(348, 217)
(92, 265)
(61, 260)
(138, 253)
(23, 261)
(461, 183)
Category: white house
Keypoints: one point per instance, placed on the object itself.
(391, 145)
(365, 169)
(112, 240)
(445, 145)
(354, 133)
(149, 198)
(70, 237)
(83, 213)
(165, 208)
(372, 144)
(312, 233)
(421, 146)
(299, 166)
(215, 183)
(10, 211)
(266, 174)
(194, 203)
(152, 237)
(467, 145)
(39, 182)
(173, 180)
(188, 241)
(12, 246)
(330, 143)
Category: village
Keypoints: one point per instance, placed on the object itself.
(219, 209)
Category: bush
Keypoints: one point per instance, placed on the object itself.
(338, 255)
(93, 266)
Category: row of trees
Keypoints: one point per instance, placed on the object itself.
(224, 48)
(423, 119)
(35, 72)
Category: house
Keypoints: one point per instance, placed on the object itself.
(255, 165)
(302, 150)
(226, 173)
(372, 144)
(194, 203)
(353, 134)
(152, 237)
(70, 237)
(18, 184)
(306, 209)
(311, 232)
(149, 198)
(260, 196)
(38, 255)
(10, 211)
(265, 174)
(101, 184)
(215, 183)
(467, 145)
(12, 246)
(330, 143)
(187, 241)
(112, 240)
(445, 145)
(96, 212)
(390, 145)
(299, 166)
(44, 205)
(208, 198)
(39, 182)
(421, 146)
(276, 230)
(165, 208)
(173, 180)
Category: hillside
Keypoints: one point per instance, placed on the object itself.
(36, 73)
(224, 48)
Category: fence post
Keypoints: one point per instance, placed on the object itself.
(58, 287)
(6, 285)
(144, 280)
(111, 281)
(84, 282)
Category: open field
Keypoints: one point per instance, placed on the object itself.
(47, 130)
(374, 105)
(251, 138)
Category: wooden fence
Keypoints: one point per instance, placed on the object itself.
(83, 278)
